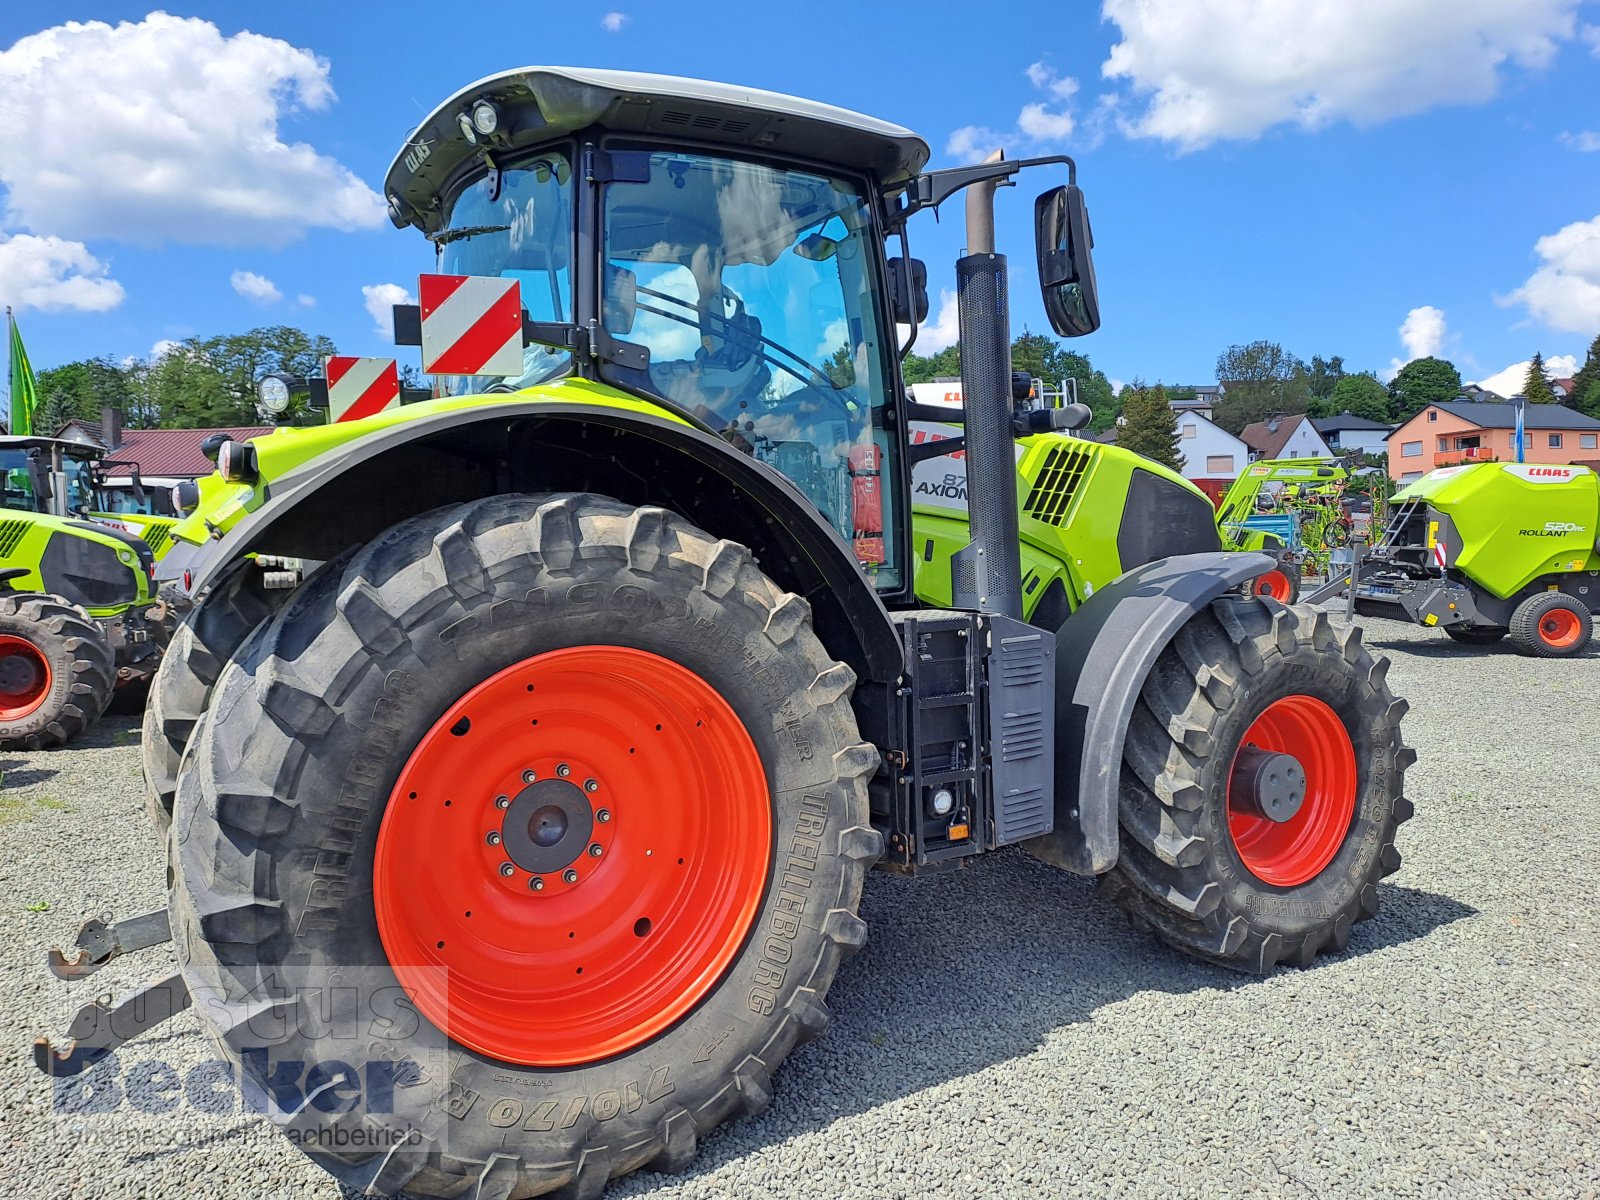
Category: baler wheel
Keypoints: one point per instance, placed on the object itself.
(1552, 625)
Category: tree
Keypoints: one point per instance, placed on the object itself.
(1324, 375)
(1360, 396)
(78, 391)
(1149, 426)
(1260, 379)
(944, 363)
(1421, 382)
(1586, 383)
(1536, 387)
(1038, 355)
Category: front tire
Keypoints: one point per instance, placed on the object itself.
(56, 671)
(336, 804)
(1203, 863)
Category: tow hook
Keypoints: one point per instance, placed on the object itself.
(99, 1028)
(99, 942)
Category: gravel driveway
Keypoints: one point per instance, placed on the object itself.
(1005, 1033)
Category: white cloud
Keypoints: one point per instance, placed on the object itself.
(1585, 141)
(1591, 37)
(257, 289)
(1422, 332)
(613, 22)
(1215, 69)
(165, 129)
(1564, 292)
(1038, 125)
(944, 330)
(50, 273)
(305, 301)
(1509, 381)
(380, 299)
(163, 348)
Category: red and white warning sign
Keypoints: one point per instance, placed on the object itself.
(359, 387)
(471, 325)
(1441, 554)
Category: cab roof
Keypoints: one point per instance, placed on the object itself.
(71, 448)
(540, 104)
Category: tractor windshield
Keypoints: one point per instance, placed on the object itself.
(521, 228)
(16, 482)
(755, 289)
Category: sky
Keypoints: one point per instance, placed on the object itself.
(1376, 179)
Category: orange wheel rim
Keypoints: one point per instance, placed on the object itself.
(1292, 852)
(1274, 584)
(573, 856)
(1560, 628)
(24, 677)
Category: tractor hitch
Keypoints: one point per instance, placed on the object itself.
(98, 943)
(99, 1028)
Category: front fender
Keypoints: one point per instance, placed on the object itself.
(1104, 652)
(350, 494)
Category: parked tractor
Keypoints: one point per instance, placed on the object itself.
(78, 611)
(1487, 550)
(628, 660)
(1288, 508)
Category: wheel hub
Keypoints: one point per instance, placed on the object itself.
(547, 829)
(19, 674)
(1269, 783)
(24, 677)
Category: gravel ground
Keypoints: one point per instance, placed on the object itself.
(1005, 1032)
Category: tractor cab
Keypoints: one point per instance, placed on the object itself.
(718, 250)
(50, 476)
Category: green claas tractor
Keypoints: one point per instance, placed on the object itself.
(624, 663)
(1489, 549)
(78, 611)
(1286, 508)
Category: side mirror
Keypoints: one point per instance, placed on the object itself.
(39, 476)
(138, 485)
(908, 290)
(1066, 268)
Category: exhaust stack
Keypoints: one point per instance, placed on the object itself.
(988, 570)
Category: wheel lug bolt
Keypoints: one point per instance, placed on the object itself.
(507, 869)
(494, 839)
(536, 883)
(502, 801)
(596, 850)
(570, 875)
(603, 815)
(563, 770)
(529, 776)
(591, 785)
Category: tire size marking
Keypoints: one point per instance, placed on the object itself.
(549, 1115)
(789, 904)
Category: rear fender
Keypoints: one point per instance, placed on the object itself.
(346, 497)
(1104, 652)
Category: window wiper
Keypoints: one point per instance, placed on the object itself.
(445, 236)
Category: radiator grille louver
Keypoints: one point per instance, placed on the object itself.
(11, 533)
(1058, 481)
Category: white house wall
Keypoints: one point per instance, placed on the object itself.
(1209, 441)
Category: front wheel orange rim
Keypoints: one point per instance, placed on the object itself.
(1275, 584)
(1289, 853)
(1560, 628)
(24, 678)
(573, 856)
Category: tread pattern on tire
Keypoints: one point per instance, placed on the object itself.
(1166, 877)
(189, 670)
(302, 667)
(71, 638)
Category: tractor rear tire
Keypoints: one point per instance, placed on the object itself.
(210, 635)
(1552, 625)
(1202, 866)
(1281, 583)
(331, 817)
(1476, 635)
(57, 672)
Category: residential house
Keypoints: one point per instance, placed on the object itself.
(1444, 435)
(1212, 457)
(1472, 391)
(1347, 432)
(1292, 436)
(1563, 388)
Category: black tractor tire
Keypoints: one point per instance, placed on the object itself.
(290, 774)
(1180, 873)
(66, 642)
(1476, 635)
(210, 635)
(1552, 625)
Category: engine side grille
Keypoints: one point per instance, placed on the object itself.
(11, 533)
(1058, 481)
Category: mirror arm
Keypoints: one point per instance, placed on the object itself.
(922, 451)
(933, 188)
(938, 413)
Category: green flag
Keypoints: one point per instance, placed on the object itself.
(23, 393)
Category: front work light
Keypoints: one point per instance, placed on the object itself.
(485, 117)
(273, 393)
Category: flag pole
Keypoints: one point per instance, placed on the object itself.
(10, 337)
